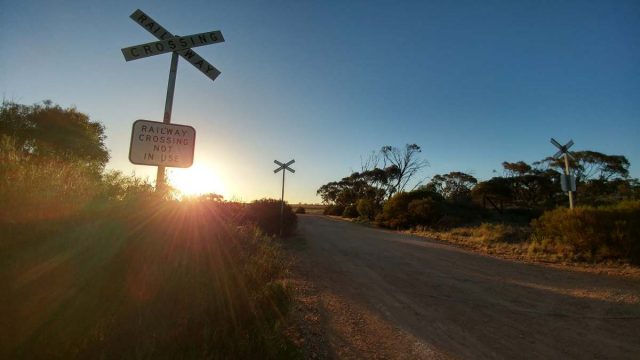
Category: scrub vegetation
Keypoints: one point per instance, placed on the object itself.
(521, 213)
(96, 264)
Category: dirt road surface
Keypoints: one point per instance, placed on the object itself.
(367, 293)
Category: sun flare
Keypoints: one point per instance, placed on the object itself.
(196, 180)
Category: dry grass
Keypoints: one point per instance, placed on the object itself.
(519, 243)
(500, 239)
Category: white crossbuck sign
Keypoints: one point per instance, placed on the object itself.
(170, 43)
(563, 149)
(175, 44)
(284, 166)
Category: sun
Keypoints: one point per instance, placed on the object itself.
(196, 180)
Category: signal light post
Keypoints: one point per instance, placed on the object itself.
(567, 181)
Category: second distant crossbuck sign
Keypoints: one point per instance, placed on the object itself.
(567, 181)
(284, 168)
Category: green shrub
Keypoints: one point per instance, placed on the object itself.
(367, 208)
(425, 211)
(594, 233)
(265, 214)
(333, 210)
(350, 212)
(395, 212)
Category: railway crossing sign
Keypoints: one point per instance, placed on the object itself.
(567, 181)
(161, 33)
(284, 167)
(170, 45)
(562, 149)
(159, 144)
(147, 145)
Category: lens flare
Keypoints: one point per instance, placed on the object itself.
(196, 180)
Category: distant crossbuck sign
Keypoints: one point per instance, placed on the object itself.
(160, 144)
(284, 166)
(567, 181)
(562, 149)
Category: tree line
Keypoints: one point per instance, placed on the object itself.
(379, 191)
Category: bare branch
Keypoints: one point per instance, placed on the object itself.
(406, 161)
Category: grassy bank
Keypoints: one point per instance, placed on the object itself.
(145, 278)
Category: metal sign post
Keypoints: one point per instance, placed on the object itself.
(564, 152)
(168, 107)
(179, 46)
(283, 167)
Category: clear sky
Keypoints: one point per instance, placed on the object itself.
(475, 83)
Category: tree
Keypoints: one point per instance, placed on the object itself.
(374, 184)
(531, 187)
(403, 209)
(601, 178)
(212, 197)
(454, 186)
(117, 186)
(49, 130)
(519, 168)
(357, 186)
(498, 188)
(593, 165)
(404, 164)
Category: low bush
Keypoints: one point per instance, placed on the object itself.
(395, 212)
(367, 209)
(265, 214)
(333, 210)
(593, 233)
(350, 212)
(300, 210)
(425, 211)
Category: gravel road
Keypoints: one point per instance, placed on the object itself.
(370, 293)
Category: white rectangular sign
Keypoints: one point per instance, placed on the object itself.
(159, 144)
(170, 45)
(567, 183)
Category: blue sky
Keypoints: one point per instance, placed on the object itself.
(475, 83)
